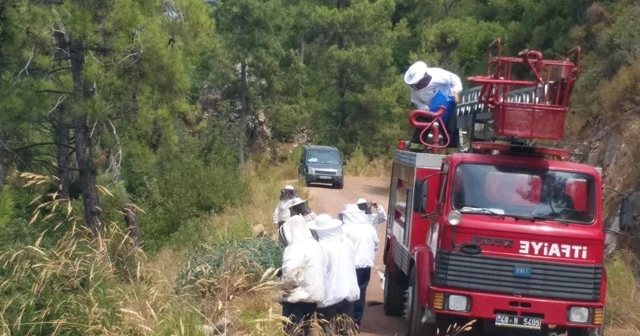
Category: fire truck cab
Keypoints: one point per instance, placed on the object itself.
(505, 235)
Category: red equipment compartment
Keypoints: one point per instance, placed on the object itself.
(553, 81)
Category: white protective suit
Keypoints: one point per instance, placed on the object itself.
(282, 212)
(286, 230)
(443, 80)
(341, 281)
(303, 264)
(378, 218)
(363, 236)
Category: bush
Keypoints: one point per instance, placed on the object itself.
(187, 187)
(7, 204)
(254, 255)
(359, 165)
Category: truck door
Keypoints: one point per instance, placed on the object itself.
(434, 225)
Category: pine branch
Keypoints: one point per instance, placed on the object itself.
(26, 67)
(54, 91)
(41, 144)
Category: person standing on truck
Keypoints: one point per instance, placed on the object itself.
(365, 241)
(424, 82)
(341, 281)
(297, 207)
(303, 267)
(282, 213)
(375, 219)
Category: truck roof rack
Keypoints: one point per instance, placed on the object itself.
(535, 110)
(558, 150)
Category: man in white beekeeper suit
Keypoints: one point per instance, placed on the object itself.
(282, 212)
(365, 241)
(424, 82)
(303, 270)
(341, 283)
(298, 207)
(375, 219)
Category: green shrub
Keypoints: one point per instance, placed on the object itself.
(253, 255)
(357, 164)
(7, 205)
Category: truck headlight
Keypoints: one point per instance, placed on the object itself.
(311, 170)
(457, 303)
(339, 172)
(454, 217)
(579, 314)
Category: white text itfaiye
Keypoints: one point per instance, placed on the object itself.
(553, 249)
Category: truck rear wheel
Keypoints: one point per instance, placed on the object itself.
(415, 312)
(393, 293)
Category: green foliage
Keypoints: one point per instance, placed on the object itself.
(185, 187)
(456, 44)
(7, 204)
(357, 162)
(254, 255)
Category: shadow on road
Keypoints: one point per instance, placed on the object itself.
(378, 191)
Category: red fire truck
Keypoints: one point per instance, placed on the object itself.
(505, 232)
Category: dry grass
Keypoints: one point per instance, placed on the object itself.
(104, 285)
(623, 294)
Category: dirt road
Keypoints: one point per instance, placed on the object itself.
(332, 201)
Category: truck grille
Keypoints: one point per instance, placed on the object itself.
(325, 172)
(490, 274)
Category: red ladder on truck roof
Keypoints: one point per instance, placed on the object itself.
(512, 110)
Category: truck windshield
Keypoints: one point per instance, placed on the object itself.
(524, 193)
(323, 156)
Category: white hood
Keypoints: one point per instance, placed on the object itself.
(282, 212)
(353, 215)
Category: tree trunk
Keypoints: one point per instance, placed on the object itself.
(87, 168)
(84, 145)
(63, 128)
(131, 219)
(244, 96)
(62, 140)
(342, 113)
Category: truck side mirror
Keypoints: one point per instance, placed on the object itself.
(420, 198)
(625, 219)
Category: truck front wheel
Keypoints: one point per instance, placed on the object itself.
(393, 292)
(415, 312)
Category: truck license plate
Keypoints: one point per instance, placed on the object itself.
(523, 322)
(325, 177)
